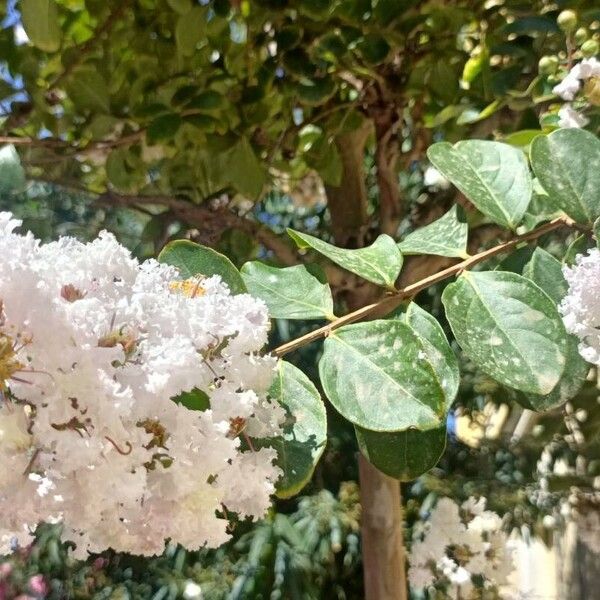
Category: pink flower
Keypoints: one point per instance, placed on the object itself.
(5, 571)
(38, 585)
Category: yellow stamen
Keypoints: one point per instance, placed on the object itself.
(190, 288)
(9, 364)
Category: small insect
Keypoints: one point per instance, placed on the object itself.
(190, 288)
(237, 425)
(9, 363)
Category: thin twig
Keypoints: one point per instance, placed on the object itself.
(389, 302)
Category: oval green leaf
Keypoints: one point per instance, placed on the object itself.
(305, 432)
(379, 376)
(403, 455)
(40, 21)
(492, 175)
(567, 163)
(445, 237)
(546, 272)
(379, 263)
(88, 89)
(436, 347)
(290, 293)
(193, 260)
(508, 327)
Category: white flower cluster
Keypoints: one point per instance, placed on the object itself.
(568, 89)
(455, 547)
(580, 308)
(93, 347)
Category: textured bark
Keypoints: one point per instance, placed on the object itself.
(348, 202)
(382, 535)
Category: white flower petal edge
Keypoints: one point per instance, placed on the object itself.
(580, 308)
(93, 347)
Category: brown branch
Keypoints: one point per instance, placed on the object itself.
(389, 302)
(204, 218)
(74, 149)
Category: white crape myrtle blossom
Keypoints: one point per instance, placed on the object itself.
(458, 543)
(568, 88)
(93, 347)
(580, 308)
(568, 117)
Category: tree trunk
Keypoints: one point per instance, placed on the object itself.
(382, 525)
(348, 202)
(382, 535)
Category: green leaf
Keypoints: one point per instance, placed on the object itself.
(40, 21)
(244, 170)
(379, 263)
(120, 174)
(580, 245)
(567, 164)
(509, 328)
(515, 261)
(208, 100)
(492, 175)
(190, 30)
(324, 157)
(12, 174)
(88, 90)
(436, 347)
(445, 237)
(380, 375)
(194, 260)
(546, 272)
(290, 293)
(181, 7)
(305, 432)
(315, 91)
(523, 138)
(373, 49)
(163, 127)
(403, 455)
(194, 400)
(202, 122)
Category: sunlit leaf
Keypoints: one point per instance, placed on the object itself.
(380, 262)
(509, 328)
(379, 375)
(445, 237)
(493, 176)
(290, 293)
(567, 163)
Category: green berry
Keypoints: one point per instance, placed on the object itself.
(590, 48)
(567, 20)
(548, 65)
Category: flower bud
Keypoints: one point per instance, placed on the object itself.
(567, 20)
(548, 65)
(590, 48)
(581, 35)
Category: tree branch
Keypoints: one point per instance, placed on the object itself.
(206, 218)
(390, 302)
